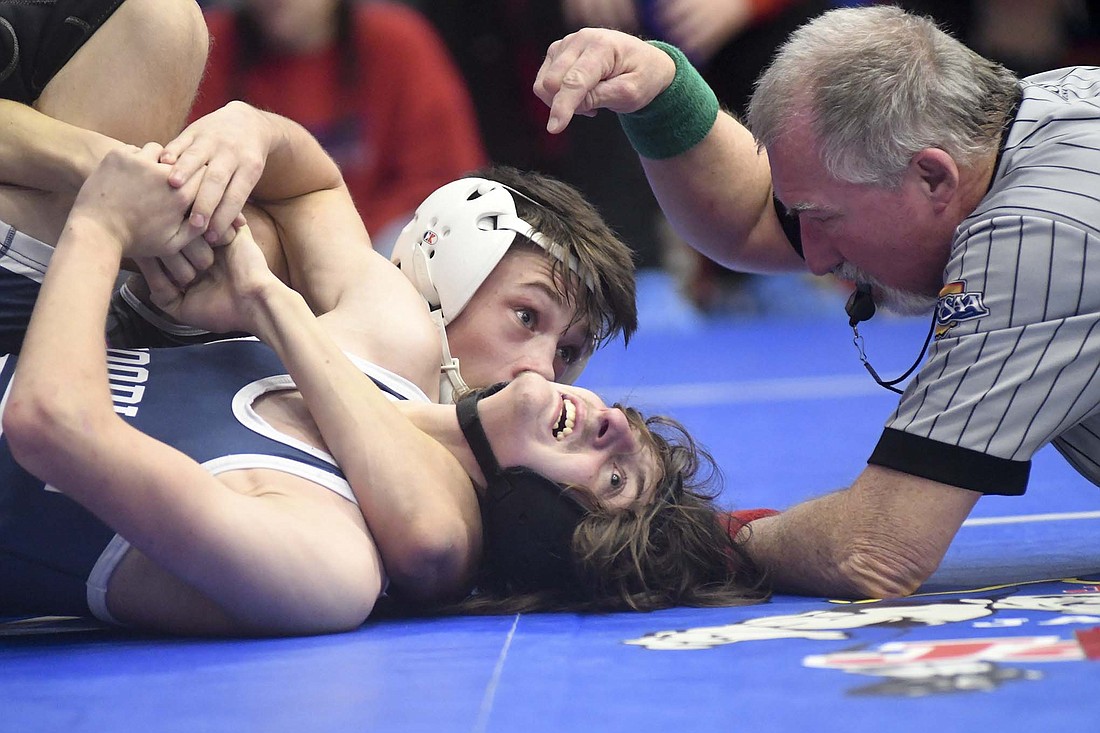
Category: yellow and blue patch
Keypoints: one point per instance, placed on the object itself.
(957, 305)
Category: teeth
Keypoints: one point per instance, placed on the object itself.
(567, 419)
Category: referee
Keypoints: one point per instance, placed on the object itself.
(886, 152)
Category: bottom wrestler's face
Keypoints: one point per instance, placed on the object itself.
(570, 436)
(517, 322)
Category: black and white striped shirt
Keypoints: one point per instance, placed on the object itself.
(1016, 362)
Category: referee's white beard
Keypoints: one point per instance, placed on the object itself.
(895, 300)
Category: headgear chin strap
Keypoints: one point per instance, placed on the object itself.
(528, 520)
(451, 382)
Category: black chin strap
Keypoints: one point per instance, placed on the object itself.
(474, 433)
(527, 519)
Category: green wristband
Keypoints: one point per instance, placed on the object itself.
(678, 118)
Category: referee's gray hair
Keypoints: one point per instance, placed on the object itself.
(879, 85)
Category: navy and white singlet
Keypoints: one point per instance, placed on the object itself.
(23, 262)
(56, 557)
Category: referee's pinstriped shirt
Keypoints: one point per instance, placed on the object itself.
(1016, 361)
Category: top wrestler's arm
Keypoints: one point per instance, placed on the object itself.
(718, 193)
(417, 500)
(245, 154)
(880, 538)
(249, 555)
(39, 152)
(236, 152)
(317, 231)
(418, 503)
(309, 225)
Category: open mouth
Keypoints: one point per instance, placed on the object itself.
(566, 420)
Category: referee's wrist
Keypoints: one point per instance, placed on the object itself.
(678, 118)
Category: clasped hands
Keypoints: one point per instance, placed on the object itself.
(175, 212)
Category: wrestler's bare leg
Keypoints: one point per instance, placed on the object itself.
(134, 80)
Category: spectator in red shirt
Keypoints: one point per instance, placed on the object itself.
(371, 81)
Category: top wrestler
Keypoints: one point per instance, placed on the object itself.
(503, 330)
(885, 151)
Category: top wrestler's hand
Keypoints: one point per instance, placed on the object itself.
(596, 68)
(227, 151)
(129, 199)
(223, 298)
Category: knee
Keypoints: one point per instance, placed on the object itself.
(148, 56)
(175, 38)
(193, 36)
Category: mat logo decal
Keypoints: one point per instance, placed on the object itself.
(819, 625)
(956, 305)
(944, 663)
(919, 668)
(952, 651)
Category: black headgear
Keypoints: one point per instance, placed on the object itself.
(528, 519)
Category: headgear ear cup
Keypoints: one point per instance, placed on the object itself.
(529, 524)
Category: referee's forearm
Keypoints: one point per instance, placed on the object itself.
(824, 547)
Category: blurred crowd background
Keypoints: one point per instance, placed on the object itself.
(409, 94)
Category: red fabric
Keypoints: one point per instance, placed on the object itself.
(407, 127)
(1089, 639)
(764, 9)
(736, 520)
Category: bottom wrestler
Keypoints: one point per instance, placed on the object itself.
(271, 542)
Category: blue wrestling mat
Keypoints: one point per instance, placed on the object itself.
(1005, 637)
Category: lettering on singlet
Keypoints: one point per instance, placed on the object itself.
(127, 376)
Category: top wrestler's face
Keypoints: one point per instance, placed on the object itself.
(517, 322)
(896, 239)
(570, 436)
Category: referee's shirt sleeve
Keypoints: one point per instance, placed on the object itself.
(1015, 363)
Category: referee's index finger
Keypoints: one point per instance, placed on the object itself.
(565, 81)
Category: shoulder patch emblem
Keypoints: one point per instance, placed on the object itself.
(956, 305)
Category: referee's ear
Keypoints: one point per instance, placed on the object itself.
(938, 175)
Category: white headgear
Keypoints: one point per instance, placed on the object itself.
(455, 239)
